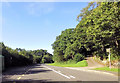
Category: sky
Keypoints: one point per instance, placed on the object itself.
(35, 25)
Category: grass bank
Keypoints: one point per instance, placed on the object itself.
(64, 64)
(108, 69)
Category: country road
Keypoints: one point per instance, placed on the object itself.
(46, 73)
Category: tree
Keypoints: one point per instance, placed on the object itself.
(101, 26)
(62, 42)
(20, 57)
(98, 29)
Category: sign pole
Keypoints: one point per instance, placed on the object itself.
(108, 50)
(109, 59)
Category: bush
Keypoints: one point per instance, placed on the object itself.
(70, 61)
(71, 64)
(82, 63)
(78, 57)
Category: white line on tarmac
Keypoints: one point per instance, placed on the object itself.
(23, 75)
(72, 76)
(19, 78)
(27, 71)
(58, 72)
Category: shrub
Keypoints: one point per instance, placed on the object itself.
(78, 57)
(70, 61)
(82, 63)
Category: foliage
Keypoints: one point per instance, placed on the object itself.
(78, 57)
(70, 61)
(72, 64)
(60, 45)
(97, 30)
(20, 57)
(82, 63)
(47, 59)
(108, 69)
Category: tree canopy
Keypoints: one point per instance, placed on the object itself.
(20, 57)
(97, 30)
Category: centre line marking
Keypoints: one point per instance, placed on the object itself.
(19, 78)
(58, 72)
(23, 75)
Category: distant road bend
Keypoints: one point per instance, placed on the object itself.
(46, 73)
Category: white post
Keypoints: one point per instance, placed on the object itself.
(109, 59)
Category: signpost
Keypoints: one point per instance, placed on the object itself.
(108, 50)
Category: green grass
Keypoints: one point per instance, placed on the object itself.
(107, 69)
(64, 64)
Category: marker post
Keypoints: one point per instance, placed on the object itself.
(108, 50)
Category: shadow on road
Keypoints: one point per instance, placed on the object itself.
(49, 81)
(24, 70)
(33, 69)
(36, 71)
(28, 81)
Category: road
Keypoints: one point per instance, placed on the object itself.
(47, 73)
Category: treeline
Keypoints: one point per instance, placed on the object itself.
(97, 30)
(22, 57)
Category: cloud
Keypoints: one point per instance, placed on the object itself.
(38, 8)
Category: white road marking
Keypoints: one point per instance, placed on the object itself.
(58, 72)
(19, 78)
(23, 75)
(72, 76)
(27, 71)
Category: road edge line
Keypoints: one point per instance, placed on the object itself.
(57, 72)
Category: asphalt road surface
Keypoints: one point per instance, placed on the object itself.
(45, 73)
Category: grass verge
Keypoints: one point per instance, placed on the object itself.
(108, 69)
(79, 64)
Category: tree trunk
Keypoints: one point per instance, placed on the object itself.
(104, 50)
(116, 43)
(72, 56)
